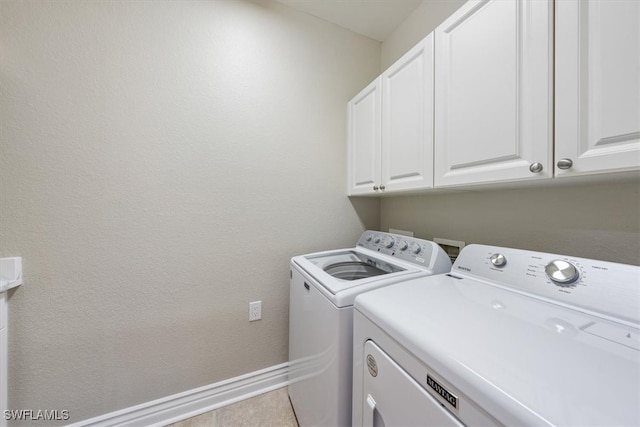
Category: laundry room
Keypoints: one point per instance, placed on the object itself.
(162, 162)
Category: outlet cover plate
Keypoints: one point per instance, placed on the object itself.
(255, 311)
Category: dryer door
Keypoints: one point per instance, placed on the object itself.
(393, 398)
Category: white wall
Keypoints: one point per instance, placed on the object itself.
(424, 19)
(160, 162)
(590, 220)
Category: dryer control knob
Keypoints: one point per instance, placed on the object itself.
(415, 248)
(369, 237)
(561, 272)
(498, 260)
(376, 239)
(389, 242)
(403, 245)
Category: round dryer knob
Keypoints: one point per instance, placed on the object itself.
(403, 245)
(369, 237)
(376, 239)
(498, 260)
(415, 248)
(389, 242)
(561, 272)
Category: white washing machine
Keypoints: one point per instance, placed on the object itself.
(323, 288)
(509, 337)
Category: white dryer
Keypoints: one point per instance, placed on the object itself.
(323, 288)
(509, 337)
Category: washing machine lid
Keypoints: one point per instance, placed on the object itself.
(523, 360)
(347, 271)
(351, 265)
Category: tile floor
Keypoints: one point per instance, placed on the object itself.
(266, 410)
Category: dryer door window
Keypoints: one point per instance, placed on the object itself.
(393, 398)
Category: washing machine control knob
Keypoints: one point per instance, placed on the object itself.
(403, 245)
(415, 248)
(498, 260)
(389, 242)
(369, 237)
(376, 239)
(562, 272)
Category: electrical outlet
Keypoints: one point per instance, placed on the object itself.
(255, 310)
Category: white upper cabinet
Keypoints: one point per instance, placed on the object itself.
(493, 93)
(474, 102)
(363, 157)
(407, 120)
(390, 145)
(597, 87)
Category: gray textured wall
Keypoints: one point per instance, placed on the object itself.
(591, 220)
(160, 162)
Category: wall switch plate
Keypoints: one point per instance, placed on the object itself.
(451, 247)
(255, 311)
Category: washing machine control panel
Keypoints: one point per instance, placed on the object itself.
(410, 249)
(599, 286)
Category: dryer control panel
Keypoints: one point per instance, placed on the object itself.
(598, 286)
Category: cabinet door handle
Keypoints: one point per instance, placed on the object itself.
(375, 188)
(536, 167)
(565, 164)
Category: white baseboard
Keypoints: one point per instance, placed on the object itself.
(194, 402)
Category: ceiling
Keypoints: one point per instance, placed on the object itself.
(375, 19)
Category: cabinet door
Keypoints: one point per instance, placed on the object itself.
(597, 86)
(407, 120)
(493, 110)
(363, 157)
